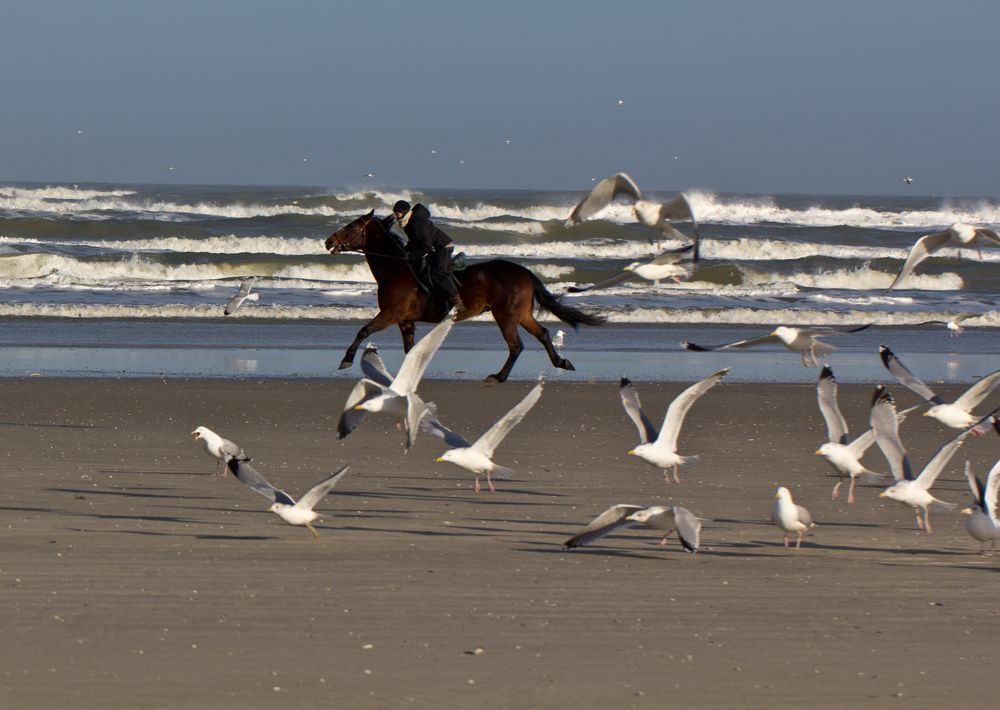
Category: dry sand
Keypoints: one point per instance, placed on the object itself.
(133, 577)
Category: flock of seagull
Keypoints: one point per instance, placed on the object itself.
(380, 392)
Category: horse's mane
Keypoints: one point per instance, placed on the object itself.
(385, 236)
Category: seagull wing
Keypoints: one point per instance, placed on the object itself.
(804, 516)
(990, 496)
(315, 494)
(940, 459)
(249, 477)
(826, 397)
(614, 280)
(231, 448)
(430, 424)
(905, 377)
(416, 409)
(749, 343)
(372, 366)
(241, 295)
(988, 236)
(605, 523)
(496, 433)
(351, 417)
(601, 196)
(962, 317)
(633, 408)
(885, 424)
(923, 248)
(978, 392)
(688, 528)
(678, 409)
(416, 361)
(829, 330)
(975, 486)
(859, 446)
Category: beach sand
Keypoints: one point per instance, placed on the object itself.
(132, 576)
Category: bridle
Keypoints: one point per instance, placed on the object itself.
(366, 221)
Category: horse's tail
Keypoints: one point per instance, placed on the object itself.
(567, 314)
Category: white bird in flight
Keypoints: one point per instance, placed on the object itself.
(954, 325)
(665, 266)
(667, 518)
(477, 458)
(659, 448)
(243, 294)
(958, 414)
(218, 447)
(282, 504)
(982, 523)
(800, 340)
(958, 235)
(789, 517)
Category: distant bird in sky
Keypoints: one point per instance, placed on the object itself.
(506, 141)
(789, 517)
(621, 102)
(654, 215)
(79, 131)
(666, 518)
(461, 161)
(433, 151)
(370, 174)
(957, 235)
(242, 295)
(907, 179)
(800, 340)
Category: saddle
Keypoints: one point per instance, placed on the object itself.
(423, 270)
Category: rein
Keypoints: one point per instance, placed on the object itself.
(364, 245)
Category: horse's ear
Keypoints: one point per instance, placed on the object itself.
(370, 215)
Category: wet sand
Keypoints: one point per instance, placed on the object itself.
(132, 576)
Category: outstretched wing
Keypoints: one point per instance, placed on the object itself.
(885, 425)
(940, 459)
(614, 280)
(241, 295)
(604, 524)
(976, 486)
(496, 433)
(351, 417)
(990, 496)
(430, 424)
(678, 409)
(316, 493)
(249, 477)
(988, 236)
(688, 528)
(826, 397)
(633, 408)
(372, 366)
(923, 248)
(416, 361)
(978, 392)
(749, 343)
(601, 196)
(905, 377)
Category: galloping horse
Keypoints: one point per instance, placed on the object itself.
(506, 289)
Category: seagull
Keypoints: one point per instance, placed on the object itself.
(658, 517)
(958, 234)
(282, 504)
(217, 446)
(843, 456)
(907, 179)
(242, 295)
(399, 398)
(910, 490)
(789, 517)
(621, 102)
(800, 340)
(982, 523)
(655, 215)
(954, 325)
(559, 339)
(665, 266)
(660, 448)
(478, 457)
(958, 414)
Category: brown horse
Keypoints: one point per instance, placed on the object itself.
(506, 289)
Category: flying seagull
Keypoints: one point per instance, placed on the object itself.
(659, 448)
(665, 266)
(658, 517)
(478, 457)
(399, 398)
(217, 446)
(907, 179)
(954, 325)
(982, 523)
(789, 517)
(958, 235)
(282, 504)
(958, 414)
(242, 295)
(654, 215)
(800, 340)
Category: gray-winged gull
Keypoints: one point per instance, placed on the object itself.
(800, 340)
(789, 517)
(665, 266)
(667, 518)
(218, 447)
(242, 295)
(982, 523)
(958, 234)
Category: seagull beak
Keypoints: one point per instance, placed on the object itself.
(818, 452)
(966, 511)
(439, 459)
(882, 494)
(630, 453)
(777, 495)
(926, 414)
(774, 332)
(358, 406)
(194, 435)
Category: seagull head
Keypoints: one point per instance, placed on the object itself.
(966, 511)
(893, 492)
(782, 493)
(785, 333)
(278, 507)
(641, 516)
(199, 433)
(448, 455)
(633, 266)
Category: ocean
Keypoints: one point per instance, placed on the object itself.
(90, 270)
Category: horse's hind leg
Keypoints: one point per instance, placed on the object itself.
(380, 322)
(542, 334)
(508, 328)
(407, 330)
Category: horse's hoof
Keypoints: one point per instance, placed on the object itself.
(493, 379)
(344, 364)
(566, 364)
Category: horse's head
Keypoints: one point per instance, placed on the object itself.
(350, 238)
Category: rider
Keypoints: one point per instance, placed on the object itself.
(427, 240)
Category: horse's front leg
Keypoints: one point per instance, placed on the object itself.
(381, 321)
(514, 347)
(407, 330)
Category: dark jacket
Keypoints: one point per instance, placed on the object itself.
(424, 236)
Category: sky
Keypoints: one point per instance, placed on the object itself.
(766, 96)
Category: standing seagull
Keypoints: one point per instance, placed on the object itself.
(843, 456)
(799, 340)
(217, 446)
(665, 266)
(660, 448)
(478, 458)
(655, 215)
(399, 398)
(658, 517)
(282, 504)
(958, 234)
(914, 491)
(789, 517)
(242, 295)
(558, 339)
(982, 523)
(958, 414)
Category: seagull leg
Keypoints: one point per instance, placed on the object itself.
(836, 489)
(489, 482)
(312, 530)
(927, 521)
(850, 491)
(664, 540)
(677, 478)
(920, 522)
(666, 475)
(798, 543)
(477, 484)
(786, 540)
